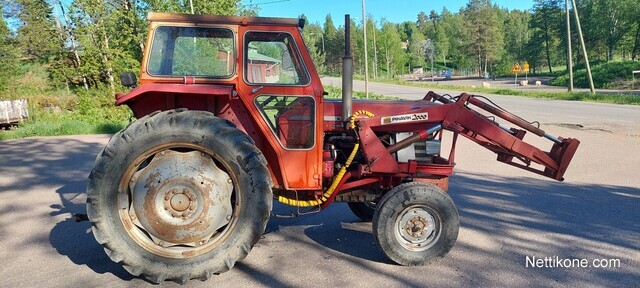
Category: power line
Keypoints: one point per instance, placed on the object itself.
(269, 2)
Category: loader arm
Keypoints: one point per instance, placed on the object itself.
(507, 143)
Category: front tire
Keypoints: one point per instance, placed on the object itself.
(179, 195)
(415, 224)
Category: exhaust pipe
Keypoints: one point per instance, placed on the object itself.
(347, 71)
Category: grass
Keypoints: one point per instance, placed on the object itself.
(45, 123)
(609, 75)
(56, 111)
(575, 96)
(335, 92)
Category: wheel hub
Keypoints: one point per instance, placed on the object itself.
(180, 204)
(417, 228)
(180, 198)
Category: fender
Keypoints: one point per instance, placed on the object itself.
(161, 96)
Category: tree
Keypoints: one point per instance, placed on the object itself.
(617, 19)
(442, 42)
(8, 55)
(334, 45)
(546, 15)
(391, 48)
(37, 35)
(517, 34)
(314, 38)
(416, 49)
(429, 52)
(423, 21)
(484, 33)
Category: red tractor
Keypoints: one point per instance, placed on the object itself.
(231, 114)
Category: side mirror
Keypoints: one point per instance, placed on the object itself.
(128, 79)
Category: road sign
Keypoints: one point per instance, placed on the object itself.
(526, 66)
(516, 68)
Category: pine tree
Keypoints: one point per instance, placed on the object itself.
(37, 35)
(8, 56)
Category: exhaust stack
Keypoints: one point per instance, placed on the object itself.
(347, 71)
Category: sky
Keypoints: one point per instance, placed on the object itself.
(396, 11)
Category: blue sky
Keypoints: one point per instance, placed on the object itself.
(396, 11)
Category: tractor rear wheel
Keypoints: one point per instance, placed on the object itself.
(179, 195)
(415, 224)
(364, 210)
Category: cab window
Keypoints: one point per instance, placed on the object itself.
(272, 58)
(192, 51)
(291, 119)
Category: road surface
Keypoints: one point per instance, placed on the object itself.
(507, 216)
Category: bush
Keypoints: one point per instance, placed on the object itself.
(604, 75)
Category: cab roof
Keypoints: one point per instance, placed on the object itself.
(216, 19)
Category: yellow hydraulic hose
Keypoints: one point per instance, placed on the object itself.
(327, 194)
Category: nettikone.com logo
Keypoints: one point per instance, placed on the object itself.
(557, 262)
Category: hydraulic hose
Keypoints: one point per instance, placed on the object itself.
(327, 193)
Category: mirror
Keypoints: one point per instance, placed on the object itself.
(128, 79)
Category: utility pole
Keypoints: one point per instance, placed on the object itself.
(191, 4)
(375, 52)
(584, 49)
(366, 59)
(569, 53)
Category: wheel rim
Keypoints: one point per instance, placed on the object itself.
(178, 201)
(418, 227)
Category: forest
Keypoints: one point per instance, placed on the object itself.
(65, 56)
(87, 43)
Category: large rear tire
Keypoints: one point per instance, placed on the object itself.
(415, 224)
(179, 195)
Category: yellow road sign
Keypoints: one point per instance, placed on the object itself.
(516, 68)
(526, 66)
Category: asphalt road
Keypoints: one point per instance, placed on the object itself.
(506, 216)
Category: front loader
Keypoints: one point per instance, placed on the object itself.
(231, 115)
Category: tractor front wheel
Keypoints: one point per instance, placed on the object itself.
(179, 195)
(415, 224)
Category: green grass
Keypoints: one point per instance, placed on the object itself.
(608, 75)
(44, 123)
(335, 92)
(54, 111)
(575, 96)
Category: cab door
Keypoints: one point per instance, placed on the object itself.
(277, 86)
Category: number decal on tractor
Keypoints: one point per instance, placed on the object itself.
(404, 118)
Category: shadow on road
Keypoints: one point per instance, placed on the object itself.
(59, 162)
(514, 217)
(75, 240)
(522, 217)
